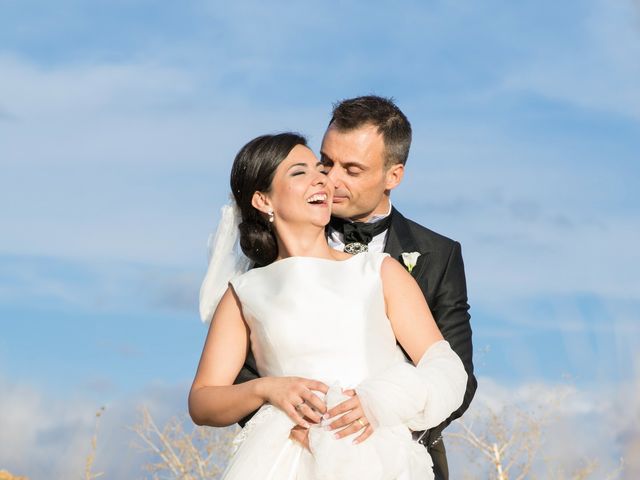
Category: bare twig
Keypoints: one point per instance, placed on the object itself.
(88, 474)
(508, 443)
(197, 454)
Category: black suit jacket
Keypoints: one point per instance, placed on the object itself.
(439, 272)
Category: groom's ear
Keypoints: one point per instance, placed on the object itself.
(393, 176)
(261, 202)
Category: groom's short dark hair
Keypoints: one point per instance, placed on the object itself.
(382, 113)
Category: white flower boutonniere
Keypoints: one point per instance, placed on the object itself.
(410, 259)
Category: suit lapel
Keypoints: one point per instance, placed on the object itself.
(400, 239)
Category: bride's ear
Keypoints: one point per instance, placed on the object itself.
(261, 202)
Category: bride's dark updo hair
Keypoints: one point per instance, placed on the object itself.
(253, 170)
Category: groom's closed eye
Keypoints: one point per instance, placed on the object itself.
(353, 169)
(322, 168)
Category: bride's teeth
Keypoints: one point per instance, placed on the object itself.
(320, 197)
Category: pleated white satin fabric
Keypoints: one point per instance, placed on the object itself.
(325, 320)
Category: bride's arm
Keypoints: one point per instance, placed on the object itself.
(215, 401)
(411, 320)
(212, 399)
(419, 397)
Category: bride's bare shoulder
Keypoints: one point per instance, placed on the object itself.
(393, 273)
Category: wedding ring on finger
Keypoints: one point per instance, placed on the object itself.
(364, 425)
(297, 407)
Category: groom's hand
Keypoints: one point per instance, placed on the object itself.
(352, 418)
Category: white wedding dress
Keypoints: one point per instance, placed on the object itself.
(325, 320)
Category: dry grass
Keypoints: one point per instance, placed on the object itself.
(507, 444)
(4, 475)
(198, 454)
(502, 445)
(88, 467)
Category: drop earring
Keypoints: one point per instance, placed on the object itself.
(271, 216)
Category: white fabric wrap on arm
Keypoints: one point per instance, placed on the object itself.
(419, 397)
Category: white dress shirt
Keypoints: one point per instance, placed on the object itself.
(336, 238)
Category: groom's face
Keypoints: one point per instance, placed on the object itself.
(355, 163)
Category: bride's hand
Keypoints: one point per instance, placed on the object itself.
(353, 419)
(294, 396)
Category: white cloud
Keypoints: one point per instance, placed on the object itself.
(42, 438)
(49, 436)
(598, 73)
(31, 92)
(578, 425)
(129, 113)
(97, 286)
(531, 229)
(121, 161)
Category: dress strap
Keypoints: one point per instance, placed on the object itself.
(375, 259)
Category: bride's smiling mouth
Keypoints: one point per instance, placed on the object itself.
(318, 199)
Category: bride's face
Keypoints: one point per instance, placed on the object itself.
(301, 192)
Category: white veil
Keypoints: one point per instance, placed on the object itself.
(226, 260)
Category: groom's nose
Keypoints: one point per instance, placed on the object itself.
(334, 176)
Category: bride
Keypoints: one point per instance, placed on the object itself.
(328, 331)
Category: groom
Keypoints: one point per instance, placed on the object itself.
(365, 149)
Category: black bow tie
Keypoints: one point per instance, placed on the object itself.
(360, 232)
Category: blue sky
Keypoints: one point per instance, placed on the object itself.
(119, 121)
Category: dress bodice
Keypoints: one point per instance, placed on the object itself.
(319, 318)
